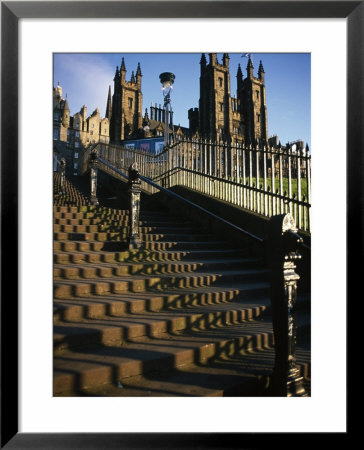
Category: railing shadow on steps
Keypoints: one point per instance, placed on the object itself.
(281, 247)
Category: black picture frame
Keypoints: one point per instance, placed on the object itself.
(11, 12)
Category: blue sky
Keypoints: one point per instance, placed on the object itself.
(86, 77)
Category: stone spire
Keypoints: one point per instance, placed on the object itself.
(122, 70)
(108, 105)
(261, 71)
(249, 68)
(225, 60)
(203, 61)
(213, 59)
(139, 75)
(239, 74)
(239, 77)
(139, 72)
(117, 73)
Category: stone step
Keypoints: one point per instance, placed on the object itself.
(92, 270)
(162, 264)
(163, 227)
(118, 283)
(88, 211)
(105, 211)
(108, 214)
(121, 244)
(101, 365)
(93, 233)
(59, 215)
(73, 251)
(115, 305)
(246, 375)
(116, 331)
(122, 235)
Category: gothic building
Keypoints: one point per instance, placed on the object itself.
(220, 115)
(126, 110)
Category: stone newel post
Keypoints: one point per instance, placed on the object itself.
(62, 172)
(283, 242)
(134, 190)
(93, 178)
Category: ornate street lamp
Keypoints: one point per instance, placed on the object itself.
(167, 80)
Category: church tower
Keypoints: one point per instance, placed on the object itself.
(215, 110)
(252, 99)
(126, 116)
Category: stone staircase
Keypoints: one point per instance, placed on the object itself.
(73, 196)
(186, 315)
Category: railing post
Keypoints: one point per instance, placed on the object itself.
(282, 244)
(62, 173)
(134, 184)
(93, 177)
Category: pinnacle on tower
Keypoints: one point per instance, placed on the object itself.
(108, 105)
(250, 64)
(117, 73)
(213, 58)
(132, 79)
(261, 70)
(139, 72)
(122, 67)
(225, 59)
(249, 68)
(239, 73)
(203, 61)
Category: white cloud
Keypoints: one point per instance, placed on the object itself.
(85, 78)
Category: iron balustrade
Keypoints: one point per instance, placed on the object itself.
(253, 178)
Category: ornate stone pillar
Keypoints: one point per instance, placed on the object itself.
(282, 244)
(134, 191)
(62, 173)
(93, 178)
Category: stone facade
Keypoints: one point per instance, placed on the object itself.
(71, 134)
(126, 115)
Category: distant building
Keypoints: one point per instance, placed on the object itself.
(219, 115)
(242, 118)
(71, 134)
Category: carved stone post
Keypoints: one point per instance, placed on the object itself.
(62, 173)
(282, 244)
(93, 178)
(134, 191)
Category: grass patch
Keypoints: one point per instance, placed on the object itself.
(294, 184)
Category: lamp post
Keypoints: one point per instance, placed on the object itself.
(167, 80)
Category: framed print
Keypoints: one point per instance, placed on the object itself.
(32, 33)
